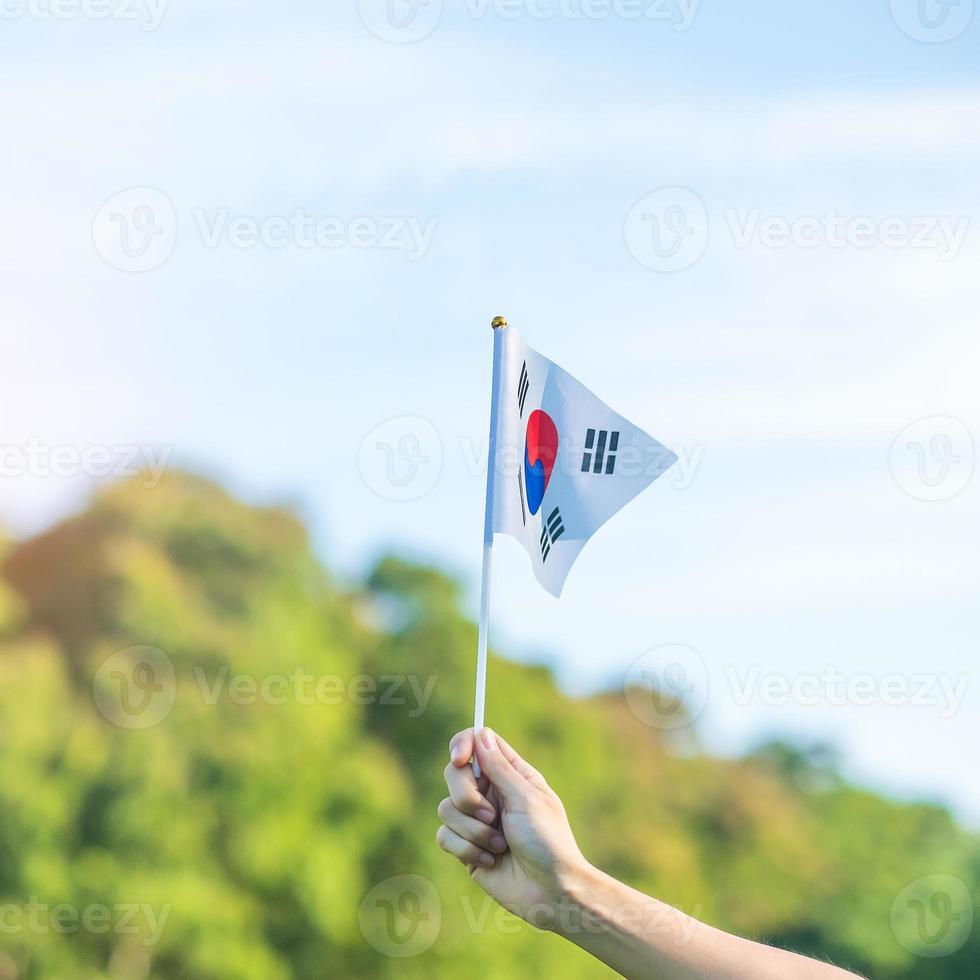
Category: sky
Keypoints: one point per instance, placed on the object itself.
(265, 242)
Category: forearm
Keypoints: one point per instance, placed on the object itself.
(644, 939)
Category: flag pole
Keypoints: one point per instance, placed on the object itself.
(498, 325)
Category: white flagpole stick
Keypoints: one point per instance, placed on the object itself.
(479, 714)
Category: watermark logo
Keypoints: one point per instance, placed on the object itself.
(406, 21)
(136, 229)
(631, 461)
(149, 13)
(409, 691)
(942, 234)
(933, 459)
(301, 229)
(667, 230)
(401, 916)
(35, 458)
(942, 692)
(401, 459)
(570, 919)
(667, 687)
(933, 916)
(932, 21)
(135, 688)
(401, 21)
(66, 919)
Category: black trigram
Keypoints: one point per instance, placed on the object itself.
(522, 387)
(553, 529)
(601, 451)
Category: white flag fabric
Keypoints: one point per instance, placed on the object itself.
(564, 461)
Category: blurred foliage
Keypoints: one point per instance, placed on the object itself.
(255, 825)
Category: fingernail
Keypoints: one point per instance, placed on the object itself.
(485, 815)
(489, 740)
(453, 752)
(498, 843)
(486, 859)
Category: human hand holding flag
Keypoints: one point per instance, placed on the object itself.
(509, 828)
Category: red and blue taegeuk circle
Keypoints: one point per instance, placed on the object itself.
(540, 453)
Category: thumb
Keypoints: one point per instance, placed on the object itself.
(498, 769)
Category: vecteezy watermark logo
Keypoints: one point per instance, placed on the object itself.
(943, 234)
(404, 21)
(401, 916)
(933, 916)
(65, 919)
(933, 459)
(148, 12)
(630, 460)
(410, 691)
(569, 918)
(401, 459)
(932, 21)
(667, 687)
(37, 459)
(667, 230)
(942, 692)
(300, 229)
(679, 13)
(135, 687)
(136, 229)
(401, 21)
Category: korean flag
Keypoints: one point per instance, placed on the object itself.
(562, 463)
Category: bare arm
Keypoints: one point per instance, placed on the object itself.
(510, 830)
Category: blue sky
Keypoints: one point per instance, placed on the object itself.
(794, 541)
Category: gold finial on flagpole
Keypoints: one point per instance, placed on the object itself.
(499, 322)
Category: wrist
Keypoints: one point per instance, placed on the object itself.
(577, 886)
(595, 908)
(576, 880)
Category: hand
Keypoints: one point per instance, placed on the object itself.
(510, 830)
(508, 827)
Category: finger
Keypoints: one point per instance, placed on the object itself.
(461, 747)
(519, 763)
(466, 852)
(466, 795)
(509, 782)
(475, 831)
